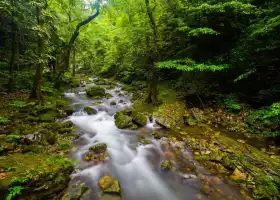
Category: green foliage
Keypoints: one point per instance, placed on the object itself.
(17, 104)
(4, 120)
(231, 103)
(95, 91)
(190, 65)
(268, 117)
(65, 146)
(14, 191)
(201, 32)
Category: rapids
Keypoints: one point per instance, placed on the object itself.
(136, 166)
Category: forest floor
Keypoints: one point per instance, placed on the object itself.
(34, 140)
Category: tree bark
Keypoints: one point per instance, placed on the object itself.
(152, 83)
(13, 53)
(76, 34)
(71, 43)
(74, 62)
(36, 92)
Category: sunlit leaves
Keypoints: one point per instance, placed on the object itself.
(190, 65)
(202, 31)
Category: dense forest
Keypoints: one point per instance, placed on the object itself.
(205, 71)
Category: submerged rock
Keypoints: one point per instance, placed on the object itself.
(99, 148)
(165, 165)
(90, 110)
(109, 185)
(95, 91)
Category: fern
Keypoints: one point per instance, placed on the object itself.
(202, 31)
(13, 192)
(190, 65)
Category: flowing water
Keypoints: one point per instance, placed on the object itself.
(135, 165)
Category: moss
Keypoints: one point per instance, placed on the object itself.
(165, 165)
(123, 120)
(42, 176)
(139, 118)
(99, 148)
(109, 185)
(95, 91)
(170, 115)
(90, 110)
(48, 117)
(51, 138)
(34, 148)
(89, 156)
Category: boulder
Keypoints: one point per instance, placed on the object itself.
(113, 103)
(95, 91)
(123, 120)
(109, 185)
(99, 148)
(139, 118)
(89, 156)
(90, 110)
(170, 115)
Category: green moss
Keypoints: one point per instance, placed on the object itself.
(95, 91)
(48, 117)
(123, 120)
(165, 165)
(99, 148)
(139, 118)
(90, 110)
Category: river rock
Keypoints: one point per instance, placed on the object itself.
(170, 115)
(123, 120)
(113, 103)
(90, 110)
(89, 156)
(109, 185)
(95, 91)
(99, 148)
(139, 118)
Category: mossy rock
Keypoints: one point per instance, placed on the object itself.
(108, 95)
(156, 135)
(165, 165)
(40, 175)
(77, 191)
(89, 156)
(90, 110)
(69, 111)
(170, 115)
(144, 141)
(139, 118)
(51, 138)
(95, 91)
(124, 121)
(34, 148)
(109, 185)
(99, 148)
(48, 117)
(194, 116)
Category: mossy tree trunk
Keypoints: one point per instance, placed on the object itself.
(13, 53)
(36, 92)
(152, 80)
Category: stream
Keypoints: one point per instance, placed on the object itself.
(135, 165)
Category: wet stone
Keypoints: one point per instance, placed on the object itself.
(99, 148)
(109, 185)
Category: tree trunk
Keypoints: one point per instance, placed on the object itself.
(75, 36)
(36, 92)
(13, 55)
(74, 62)
(152, 83)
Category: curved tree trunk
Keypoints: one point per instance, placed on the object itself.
(71, 44)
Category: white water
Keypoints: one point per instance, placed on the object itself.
(128, 161)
